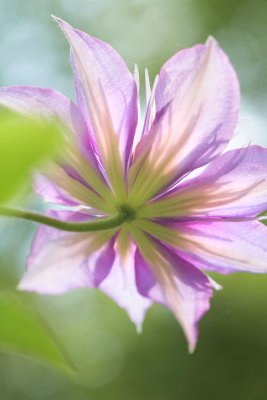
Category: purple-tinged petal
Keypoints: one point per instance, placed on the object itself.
(52, 193)
(105, 89)
(146, 281)
(63, 185)
(233, 185)
(203, 86)
(49, 104)
(197, 103)
(178, 285)
(224, 246)
(236, 181)
(61, 261)
(121, 286)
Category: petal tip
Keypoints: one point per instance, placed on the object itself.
(139, 328)
(192, 337)
(191, 348)
(55, 18)
(58, 20)
(211, 41)
(21, 285)
(215, 285)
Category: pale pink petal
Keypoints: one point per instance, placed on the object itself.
(61, 261)
(232, 186)
(48, 104)
(52, 193)
(197, 103)
(203, 88)
(121, 286)
(78, 155)
(186, 293)
(64, 185)
(76, 161)
(222, 246)
(105, 89)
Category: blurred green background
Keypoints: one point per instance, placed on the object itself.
(115, 363)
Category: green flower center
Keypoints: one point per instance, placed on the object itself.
(128, 211)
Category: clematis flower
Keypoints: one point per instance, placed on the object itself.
(182, 223)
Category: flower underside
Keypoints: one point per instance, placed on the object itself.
(165, 224)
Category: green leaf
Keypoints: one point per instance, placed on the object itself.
(23, 331)
(24, 144)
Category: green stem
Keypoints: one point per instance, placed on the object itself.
(99, 224)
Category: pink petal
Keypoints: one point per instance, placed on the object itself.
(233, 185)
(52, 193)
(61, 261)
(49, 104)
(187, 293)
(78, 162)
(197, 103)
(224, 247)
(105, 88)
(203, 87)
(122, 287)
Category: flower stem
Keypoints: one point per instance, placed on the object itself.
(97, 224)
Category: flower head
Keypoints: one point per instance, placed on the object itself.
(178, 225)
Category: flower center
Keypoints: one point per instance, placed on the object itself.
(127, 211)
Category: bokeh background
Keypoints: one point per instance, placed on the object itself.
(113, 362)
